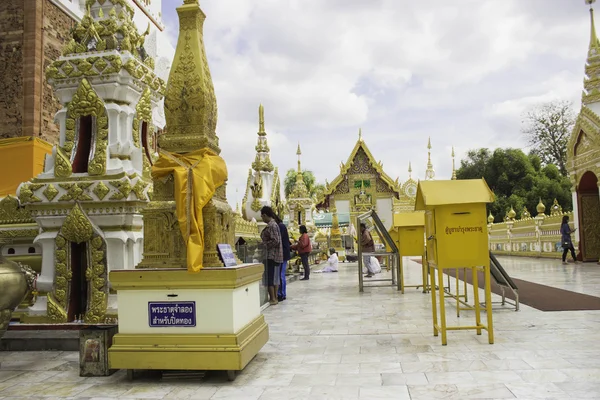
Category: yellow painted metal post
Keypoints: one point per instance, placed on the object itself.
(442, 306)
(457, 292)
(465, 284)
(425, 273)
(401, 273)
(475, 277)
(433, 301)
(488, 302)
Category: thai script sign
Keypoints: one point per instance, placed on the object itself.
(172, 314)
(227, 255)
(463, 229)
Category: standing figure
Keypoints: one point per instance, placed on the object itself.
(567, 243)
(271, 237)
(303, 247)
(285, 246)
(368, 246)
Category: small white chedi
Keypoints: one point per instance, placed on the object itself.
(88, 200)
(263, 186)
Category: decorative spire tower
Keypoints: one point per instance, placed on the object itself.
(263, 186)
(453, 166)
(430, 172)
(188, 217)
(300, 203)
(89, 198)
(591, 83)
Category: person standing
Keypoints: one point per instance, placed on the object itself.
(567, 243)
(271, 237)
(368, 246)
(285, 246)
(304, 247)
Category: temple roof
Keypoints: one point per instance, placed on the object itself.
(591, 93)
(345, 168)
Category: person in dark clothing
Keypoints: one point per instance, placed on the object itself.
(565, 238)
(304, 247)
(286, 247)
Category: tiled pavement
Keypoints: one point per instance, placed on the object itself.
(328, 341)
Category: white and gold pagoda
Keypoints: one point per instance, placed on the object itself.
(263, 187)
(583, 154)
(299, 203)
(88, 201)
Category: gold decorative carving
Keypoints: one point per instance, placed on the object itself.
(590, 232)
(123, 189)
(11, 212)
(26, 194)
(139, 188)
(143, 113)
(62, 165)
(190, 101)
(87, 103)
(97, 277)
(77, 227)
(50, 192)
(75, 191)
(57, 300)
(101, 190)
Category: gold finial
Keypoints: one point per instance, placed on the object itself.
(409, 171)
(429, 172)
(490, 218)
(190, 101)
(593, 62)
(261, 119)
(359, 134)
(511, 213)
(540, 208)
(299, 153)
(453, 167)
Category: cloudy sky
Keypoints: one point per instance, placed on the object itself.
(461, 71)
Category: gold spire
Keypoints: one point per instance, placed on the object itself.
(409, 171)
(261, 120)
(453, 168)
(299, 153)
(359, 134)
(262, 160)
(299, 190)
(591, 93)
(190, 101)
(430, 172)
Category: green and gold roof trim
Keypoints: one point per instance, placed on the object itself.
(99, 46)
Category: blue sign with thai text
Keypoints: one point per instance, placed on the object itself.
(226, 253)
(172, 314)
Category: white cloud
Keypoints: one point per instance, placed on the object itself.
(460, 72)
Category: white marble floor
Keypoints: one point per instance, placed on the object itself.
(328, 341)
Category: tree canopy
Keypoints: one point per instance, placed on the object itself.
(517, 180)
(314, 189)
(547, 128)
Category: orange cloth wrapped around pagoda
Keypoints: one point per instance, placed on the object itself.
(21, 159)
(197, 176)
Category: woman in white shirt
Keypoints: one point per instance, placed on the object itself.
(332, 262)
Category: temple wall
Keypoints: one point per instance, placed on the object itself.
(32, 34)
(11, 68)
(529, 237)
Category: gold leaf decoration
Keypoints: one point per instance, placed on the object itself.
(77, 228)
(50, 192)
(101, 190)
(139, 188)
(123, 187)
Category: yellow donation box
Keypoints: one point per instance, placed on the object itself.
(170, 319)
(456, 237)
(408, 232)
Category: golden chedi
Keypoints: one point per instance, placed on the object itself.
(189, 214)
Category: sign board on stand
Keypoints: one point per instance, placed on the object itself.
(226, 254)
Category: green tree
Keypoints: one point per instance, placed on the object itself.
(517, 180)
(547, 128)
(314, 189)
